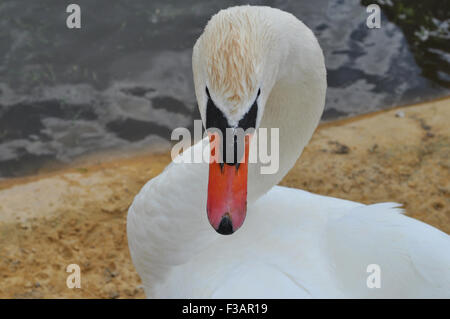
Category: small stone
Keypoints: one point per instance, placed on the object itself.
(342, 149)
(24, 225)
(400, 114)
(424, 125)
(373, 148)
(346, 188)
(114, 295)
(339, 148)
(130, 292)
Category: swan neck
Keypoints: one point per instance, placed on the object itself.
(293, 108)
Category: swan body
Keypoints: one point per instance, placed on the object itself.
(293, 244)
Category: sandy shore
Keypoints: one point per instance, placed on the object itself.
(78, 215)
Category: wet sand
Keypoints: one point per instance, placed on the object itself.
(78, 214)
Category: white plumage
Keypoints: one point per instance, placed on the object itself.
(293, 244)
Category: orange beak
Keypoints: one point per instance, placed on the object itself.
(227, 190)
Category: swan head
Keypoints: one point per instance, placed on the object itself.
(233, 75)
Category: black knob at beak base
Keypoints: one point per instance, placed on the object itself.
(225, 226)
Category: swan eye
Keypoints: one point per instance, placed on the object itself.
(214, 116)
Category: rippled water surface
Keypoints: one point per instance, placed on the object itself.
(124, 80)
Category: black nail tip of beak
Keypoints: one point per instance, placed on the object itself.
(225, 226)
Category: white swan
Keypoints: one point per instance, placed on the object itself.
(293, 243)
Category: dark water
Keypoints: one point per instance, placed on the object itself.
(124, 80)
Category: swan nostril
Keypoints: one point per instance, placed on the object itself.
(225, 226)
